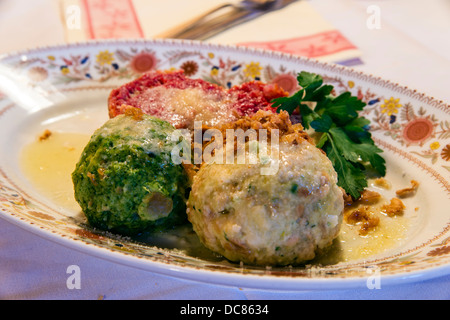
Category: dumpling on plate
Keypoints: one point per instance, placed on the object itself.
(126, 181)
(283, 218)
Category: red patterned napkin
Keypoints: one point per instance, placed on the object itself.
(296, 29)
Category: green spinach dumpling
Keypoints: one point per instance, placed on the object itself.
(126, 181)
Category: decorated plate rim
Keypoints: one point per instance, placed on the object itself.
(233, 275)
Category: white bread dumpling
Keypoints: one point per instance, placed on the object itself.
(284, 218)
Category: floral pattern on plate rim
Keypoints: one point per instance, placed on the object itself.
(411, 130)
(409, 125)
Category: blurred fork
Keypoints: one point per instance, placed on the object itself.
(222, 17)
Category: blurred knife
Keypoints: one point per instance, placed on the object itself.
(222, 17)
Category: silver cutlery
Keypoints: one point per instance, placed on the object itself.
(221, 18)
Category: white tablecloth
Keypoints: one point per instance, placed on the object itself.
(411, 47)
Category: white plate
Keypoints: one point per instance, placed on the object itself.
(55, 87)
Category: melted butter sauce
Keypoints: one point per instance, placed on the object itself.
(351, 246)
(48, 164)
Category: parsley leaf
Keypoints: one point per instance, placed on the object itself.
(289, 104)
(345, 138)
(350, 177)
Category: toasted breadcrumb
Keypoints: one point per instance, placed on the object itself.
(265, 120)
(383, 183)
(394, 208)
(366, 197)
(270, 121)
(45, 135)
(348, 200)
(406, 192)
(91, 177)
(369, 197)
(363, 217)
(130, 111)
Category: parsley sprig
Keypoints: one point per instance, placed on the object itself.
(343, 133)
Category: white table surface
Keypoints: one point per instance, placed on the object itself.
(412, 47)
